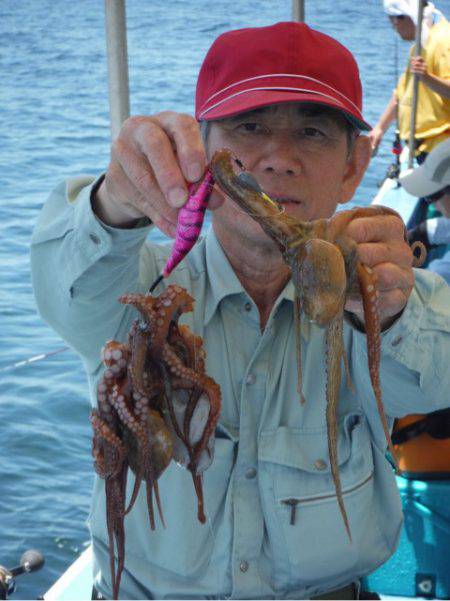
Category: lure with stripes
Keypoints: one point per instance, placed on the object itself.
(190, 221)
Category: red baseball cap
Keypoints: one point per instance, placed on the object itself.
(250, 68)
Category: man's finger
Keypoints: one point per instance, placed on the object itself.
(376, 228)
(138, 187)
(158, 152)
(391, 277)
(373, 253)
(189, 147)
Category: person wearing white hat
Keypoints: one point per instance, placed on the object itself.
(433, 71)
(432, 181)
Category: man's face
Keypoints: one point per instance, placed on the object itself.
(404, 26)
(298, 153)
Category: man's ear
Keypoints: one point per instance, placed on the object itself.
(357, 162)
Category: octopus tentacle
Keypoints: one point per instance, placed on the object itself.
(298, 345)
(154, 404)
(160, 314)
(419, 252)
(204, 383)
(103, 433)
(334, 352)
(370, 295)
(139, 344)
(325, 270)
(348, 379)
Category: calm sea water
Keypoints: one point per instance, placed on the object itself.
(54, 115)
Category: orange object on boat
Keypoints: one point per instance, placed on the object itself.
(422, 445)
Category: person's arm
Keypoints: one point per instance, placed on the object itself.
(438, 84)
(79, 269)
(86, 251)
(388, 116)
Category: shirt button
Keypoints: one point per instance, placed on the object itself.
(397, 341)
(320, 464)
(95, 239)
(250, 473)
(243, 566)
(248, 306)
(250, 379)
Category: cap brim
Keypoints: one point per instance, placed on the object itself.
(417, 183)
(255, 99)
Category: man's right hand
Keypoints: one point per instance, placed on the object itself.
(151, 161)
(375, 136)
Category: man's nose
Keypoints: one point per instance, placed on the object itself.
(280, 157)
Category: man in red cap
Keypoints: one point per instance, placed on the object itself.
(287, 101)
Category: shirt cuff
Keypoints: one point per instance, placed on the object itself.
(141, 222)
(93, 240)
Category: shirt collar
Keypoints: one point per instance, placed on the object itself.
(223, 282)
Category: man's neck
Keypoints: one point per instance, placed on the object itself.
(261, 271)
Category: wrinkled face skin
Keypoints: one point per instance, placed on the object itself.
(300, 156)
(404, 26)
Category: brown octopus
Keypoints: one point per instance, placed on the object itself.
(325, 271)
(155, 403)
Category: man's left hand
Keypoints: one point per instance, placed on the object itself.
(382, 246)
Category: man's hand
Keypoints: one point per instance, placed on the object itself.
(375, 136)
(439, 85)
(382, 247)
(152, 160)
(418, 67)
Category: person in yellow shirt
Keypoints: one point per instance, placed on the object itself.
(433, 71)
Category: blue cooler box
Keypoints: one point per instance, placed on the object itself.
(421, 565)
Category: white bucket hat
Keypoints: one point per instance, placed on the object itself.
(395, 8)
(433, 175)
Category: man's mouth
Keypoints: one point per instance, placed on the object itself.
(283, 200)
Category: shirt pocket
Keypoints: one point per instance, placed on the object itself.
(310, 544)
(184, 547)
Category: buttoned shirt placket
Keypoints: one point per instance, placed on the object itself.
(248, 527)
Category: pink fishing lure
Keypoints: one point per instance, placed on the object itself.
(190, 221)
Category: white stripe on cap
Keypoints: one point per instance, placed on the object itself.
(237, 83)
(213, 106)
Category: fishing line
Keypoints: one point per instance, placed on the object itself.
(34, 359)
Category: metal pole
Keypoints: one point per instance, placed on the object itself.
(417, 50)
(116, 47)
(298, 10)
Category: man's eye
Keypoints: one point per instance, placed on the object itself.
(312, 132)
(250, 127)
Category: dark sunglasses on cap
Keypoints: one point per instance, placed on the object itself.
(438, 195)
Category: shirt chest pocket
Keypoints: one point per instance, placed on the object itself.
(306, 531)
